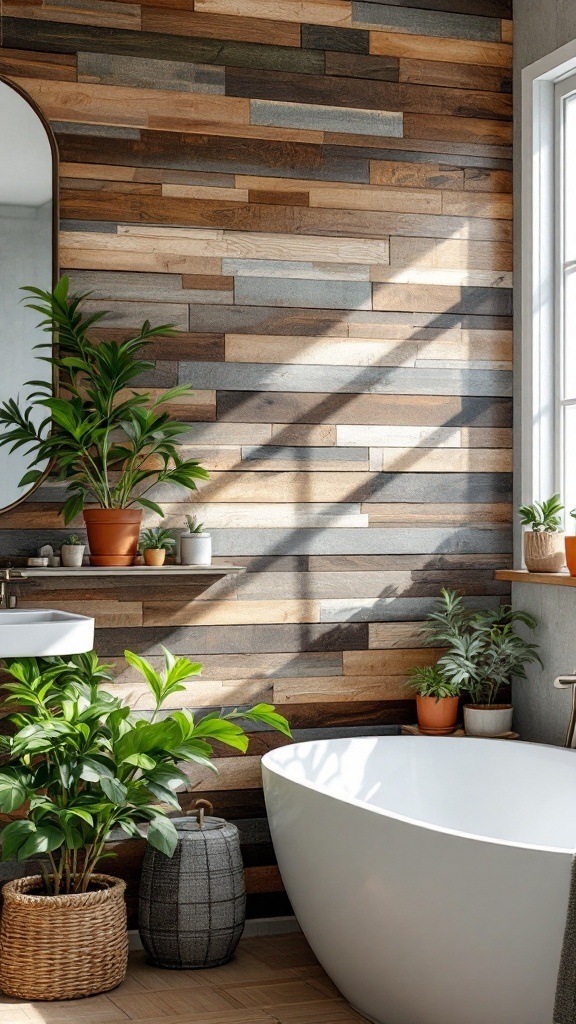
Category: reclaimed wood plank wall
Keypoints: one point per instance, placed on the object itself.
(317, 193)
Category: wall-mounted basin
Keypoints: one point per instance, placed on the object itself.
(41, 632)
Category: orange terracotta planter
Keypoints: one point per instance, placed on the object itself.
(570, 543)
(437, 717)
(155, 556)
(113, 535)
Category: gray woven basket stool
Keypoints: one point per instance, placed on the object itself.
(193, 905)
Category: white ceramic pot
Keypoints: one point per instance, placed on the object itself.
(72, 555)
(487, 719)
(195, 549)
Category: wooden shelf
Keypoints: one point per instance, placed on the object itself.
(555, 579)
(88, 571)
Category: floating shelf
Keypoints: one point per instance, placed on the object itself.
(90, 571)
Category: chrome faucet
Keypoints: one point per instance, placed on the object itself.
(9, 579)
(562, 683)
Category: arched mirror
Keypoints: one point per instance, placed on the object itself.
(28, 256)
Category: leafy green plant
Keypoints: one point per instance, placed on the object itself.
(73, 540)
(484, 650)
(193, 525)
(111, 443)
(155, 538)
(431, 681)
(80, 763)
(543, 516)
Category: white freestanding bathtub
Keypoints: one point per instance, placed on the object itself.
(430, 875)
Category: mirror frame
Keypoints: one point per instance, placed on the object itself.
(55, 247)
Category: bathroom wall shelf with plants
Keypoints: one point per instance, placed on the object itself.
(92, 571)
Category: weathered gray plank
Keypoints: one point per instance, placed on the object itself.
(381, 380)
(337, 585)
(273, 320)
(286, 638)
(329, 119)
(391, 540)
(101, 130)
(263, 291)
(389, 609)
(425, 23)
(329, 37)
(293, 269)
(111, 284)
(303, 454)
(179, 76)
(132, 314)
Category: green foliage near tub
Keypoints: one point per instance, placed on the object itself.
(80, 763)
(111, 442)
(431, 681)
(483, 648)
(542, 516)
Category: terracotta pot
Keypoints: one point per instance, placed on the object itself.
(155, 556)
(113, 535)
(487, 719)
(544, 552)
(570, 545)
(437, 717)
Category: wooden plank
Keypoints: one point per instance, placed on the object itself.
(441, 460)
(184, 22)
(477, 205)
(442, 299)
(561, 579)
(100, 13)
(326, 118)
(109, 69)
(332, 351)
(447, 74)
(322, 407)
(392, 583)
(394, 662)
(361, 65)
(461, 51)
(454, 514)
(328, 37)
(340, 688)
(450, 253)
(314, 12)
(418, 22)
(306, 458)
(348, 380)
(330, 486)
(460, 129)
(404, 175)
(257, 639)
(369, 563)
(30, 64)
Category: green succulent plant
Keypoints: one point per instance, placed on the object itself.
(80, 763)
(193, 525)
(156, 537)
(431, 681)
(111, 443)
(543, 516)
(73, 540)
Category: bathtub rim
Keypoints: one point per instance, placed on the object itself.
(267, 763)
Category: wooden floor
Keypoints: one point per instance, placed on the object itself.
(272, 980)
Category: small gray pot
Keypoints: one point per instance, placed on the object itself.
(193, 904)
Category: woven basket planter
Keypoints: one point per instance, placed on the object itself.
(62, 947)
(193, 905)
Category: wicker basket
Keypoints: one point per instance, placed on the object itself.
(62, 947)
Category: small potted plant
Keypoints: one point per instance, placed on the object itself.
(436, 700)
(195, 544)
(110, 441)
(72, 551)
(544, 549)
(154, 543)
(77, 765)
(482, 653)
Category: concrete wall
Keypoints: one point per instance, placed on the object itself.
(540, 26)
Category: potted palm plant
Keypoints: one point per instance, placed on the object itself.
(78, 765)
(483, 652)
(436, 700)
(154, 543)
(111, 443)
(195, 543)
(544, 549)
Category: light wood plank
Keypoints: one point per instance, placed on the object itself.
(312, 12)
(437, 514)
(393, 662)
(450, 253)
(246, 348)
(228, 613)
(440, 460)
(459, 51)
(396, 200)
(103, 13)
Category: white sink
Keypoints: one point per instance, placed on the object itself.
(40, 632)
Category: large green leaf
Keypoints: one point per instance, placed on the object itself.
(162, 835)
(13, 792)
(13, 837)
(42, 840)
(114, 789)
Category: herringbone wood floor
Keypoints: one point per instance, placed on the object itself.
(272, 980)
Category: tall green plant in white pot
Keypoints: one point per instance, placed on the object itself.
(544, 549)
(483, 651)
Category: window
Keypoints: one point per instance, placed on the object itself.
(565, 289)
(548, 283)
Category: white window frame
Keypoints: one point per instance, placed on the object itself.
(540, 315)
